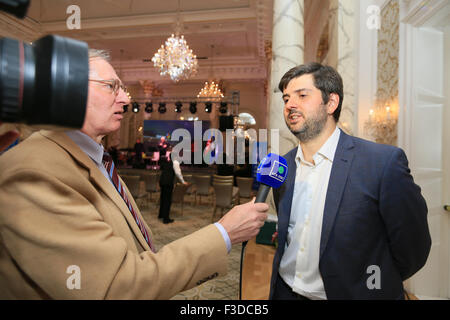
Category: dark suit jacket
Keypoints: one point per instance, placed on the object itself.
(374, 215)
(167, 176)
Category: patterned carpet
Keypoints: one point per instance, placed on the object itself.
(192, 219)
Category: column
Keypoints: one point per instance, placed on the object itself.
(342, 56)
(287, 52)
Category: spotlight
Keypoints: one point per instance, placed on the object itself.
(193, 107)
(162, 107)
(223, 107)
(135, 108)
(148, 107)
(125, 108)
(208, 107)
(178, 106)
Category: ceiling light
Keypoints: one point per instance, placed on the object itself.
(162, 107)
(193, 107)
(178, 106)
(175, 58)
(223, 107)
(210, 90)
(135, 108)
(208, 107)
(148, 107)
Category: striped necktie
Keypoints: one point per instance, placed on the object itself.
(112, 171)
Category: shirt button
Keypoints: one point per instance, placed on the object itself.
(302, 249)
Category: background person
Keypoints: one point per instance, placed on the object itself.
(169, 170)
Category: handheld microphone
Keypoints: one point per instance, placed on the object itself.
(271, 173)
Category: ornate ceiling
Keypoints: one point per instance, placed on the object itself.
(240, 31)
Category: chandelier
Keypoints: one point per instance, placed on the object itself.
(210, 90)
(175, 58)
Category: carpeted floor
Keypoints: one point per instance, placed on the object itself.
(192, 219)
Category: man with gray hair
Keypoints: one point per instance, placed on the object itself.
(70, 229)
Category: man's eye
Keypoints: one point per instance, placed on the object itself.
(110, 86)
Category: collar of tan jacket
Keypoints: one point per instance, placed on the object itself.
(100, 180)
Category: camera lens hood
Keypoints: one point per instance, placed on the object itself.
(44, 83)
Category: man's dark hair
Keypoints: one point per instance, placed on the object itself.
(326, 79)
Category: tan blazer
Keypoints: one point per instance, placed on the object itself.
(58, 210)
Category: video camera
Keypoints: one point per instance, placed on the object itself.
(45, 82)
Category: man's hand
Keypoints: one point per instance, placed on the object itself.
(244, 221)
(7, 139)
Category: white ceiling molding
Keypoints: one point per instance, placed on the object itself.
(153, 20)
(417, 12)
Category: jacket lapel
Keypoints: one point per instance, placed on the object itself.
(287, 194)
(338, 178)
(96, 176)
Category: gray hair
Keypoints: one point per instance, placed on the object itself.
(98, 54)
(102, 54)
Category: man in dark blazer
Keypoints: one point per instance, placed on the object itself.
(352, 224)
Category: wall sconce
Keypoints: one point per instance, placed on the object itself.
(382, 125)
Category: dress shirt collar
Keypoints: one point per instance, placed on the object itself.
(88, 145)
(327, 150)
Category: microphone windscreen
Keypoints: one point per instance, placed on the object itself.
(272, 170)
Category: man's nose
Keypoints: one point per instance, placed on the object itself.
(291, 105)
(122, 97)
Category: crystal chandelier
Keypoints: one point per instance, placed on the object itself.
(210, 90)
(175, 58)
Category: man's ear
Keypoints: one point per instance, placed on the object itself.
(333, 103)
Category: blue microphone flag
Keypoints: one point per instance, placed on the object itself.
(272, 170)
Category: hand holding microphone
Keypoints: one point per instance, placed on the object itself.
(243, 222)
(271, 173)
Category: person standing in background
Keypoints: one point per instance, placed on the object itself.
(169, 169)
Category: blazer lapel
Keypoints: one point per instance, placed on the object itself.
(99, 179)
(338, 178)
(286, 195)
